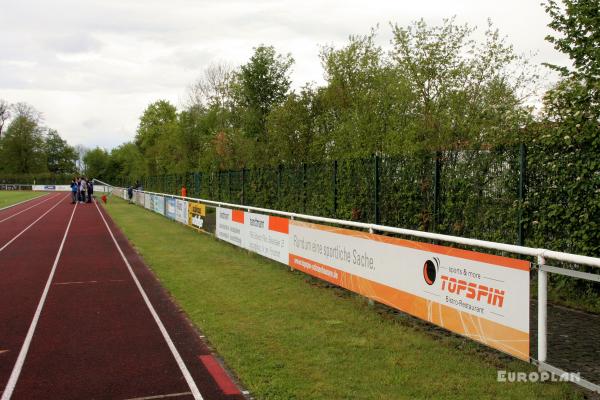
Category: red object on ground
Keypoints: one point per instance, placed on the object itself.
(219, 374)
(104, 198)
(96, 336)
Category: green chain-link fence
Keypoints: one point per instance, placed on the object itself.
(467, 193)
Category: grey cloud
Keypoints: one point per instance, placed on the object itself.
(91, 123)
(73, 43)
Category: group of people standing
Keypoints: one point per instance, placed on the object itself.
(82, 190)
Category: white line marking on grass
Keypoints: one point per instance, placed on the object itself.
(163, 330)
(28, 208)
(14, 376)
(161, 396)
(30, 225)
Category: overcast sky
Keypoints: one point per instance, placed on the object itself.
(92, 66)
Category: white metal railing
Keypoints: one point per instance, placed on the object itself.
(509, 248)
(541, 255)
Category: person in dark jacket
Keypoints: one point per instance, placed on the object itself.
(90, 190)
(73, 191)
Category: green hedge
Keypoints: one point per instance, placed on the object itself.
(504, 195)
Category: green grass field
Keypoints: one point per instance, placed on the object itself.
(288, 336)
(10, 197)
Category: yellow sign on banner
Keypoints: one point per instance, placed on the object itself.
(196, 212)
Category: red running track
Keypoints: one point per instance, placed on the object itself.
(82, 317)
(18, 217)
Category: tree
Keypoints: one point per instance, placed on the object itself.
(578, 22)
(28, 111)
(365, 101)
(293, 129)
(96, 163)
(4, 114)
(466, 93)
(567, 139)
(60, 156)
(155, 134)
(23, 146)
(126, 162)
(213, 88)
(260, 84)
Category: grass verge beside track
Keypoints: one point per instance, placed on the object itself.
(10, 197)
(288, 336)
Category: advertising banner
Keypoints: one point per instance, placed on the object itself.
(481, 296)
(139, 198)
(148, 202)
(159, 204)
(230, 226)
(170, 207)
(267, 236)
(181, 211)
(196, 214)
(9, 187)
(51, 188)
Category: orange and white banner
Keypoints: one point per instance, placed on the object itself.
(262, 234)
(230, 226)
(267, 236)
(481, 296)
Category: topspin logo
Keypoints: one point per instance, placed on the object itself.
(430, 269)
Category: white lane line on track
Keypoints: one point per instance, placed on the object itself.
(162, 396)
(14, 376)
(28, 208)
(30, 225)
(163, 330)
(89, 282)
(24, 201)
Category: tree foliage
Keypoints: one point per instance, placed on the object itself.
(60, 157)
(28, 147)
(567, 139)
(434, 88)
(158, 126)
(96, 163)
(4, 114)
(23, 145)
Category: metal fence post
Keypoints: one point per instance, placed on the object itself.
(304, 187)
(279, 168)
(522, 172)
(335, 170)
(219, 185)
(542, 310)
(436, 191)
(243, 186)
(377, 188)
(229, 185)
